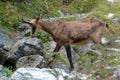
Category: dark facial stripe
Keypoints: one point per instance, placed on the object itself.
(33, 29)
(34, 26)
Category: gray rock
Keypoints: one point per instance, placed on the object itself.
(3, 75)
(25, 47)
(23, 27)
(38, 74)
(113, 49)
(88, 48)
(4, 39)
(4, 54)
(61, 13)
(110, 16)
(113, 1)
(117, 74)
(28, 46)
(46, 74)
(110, 1)
(35, 61)
(117, 40)
(60, 65)
(80, 16)
(77, 17)
(116, 21)
(4, 78)
(27, 32)
(104, 40)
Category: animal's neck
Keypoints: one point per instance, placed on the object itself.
(48, 27)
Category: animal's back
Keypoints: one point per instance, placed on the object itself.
(72, 31)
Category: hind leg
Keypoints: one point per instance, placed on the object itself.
(69, 55)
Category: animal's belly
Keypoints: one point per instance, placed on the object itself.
(83, 42)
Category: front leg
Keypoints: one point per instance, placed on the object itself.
(69, 56)
(57, 48)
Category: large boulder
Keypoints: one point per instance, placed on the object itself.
(46, 74)
(25, 47)
(35, 61)
(28, 46)
(38, 74)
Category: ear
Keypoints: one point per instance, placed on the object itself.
(26, 22)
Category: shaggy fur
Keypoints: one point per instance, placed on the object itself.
(65, 33)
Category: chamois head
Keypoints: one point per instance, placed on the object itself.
(34, 25)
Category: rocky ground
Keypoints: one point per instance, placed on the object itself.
(31, 59)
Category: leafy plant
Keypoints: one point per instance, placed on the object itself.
(8, 71)
(44, 37)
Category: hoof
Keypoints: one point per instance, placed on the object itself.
(72, 69)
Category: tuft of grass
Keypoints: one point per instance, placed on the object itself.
(44, 37)
(56, 57)
(8, 71)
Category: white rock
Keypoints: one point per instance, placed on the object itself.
(38, 74)
(61, 13)
(110, 1)
(104, 40)
(117, 74)
(46, 74)
(110, 16)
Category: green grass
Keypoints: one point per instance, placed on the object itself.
(8, 71)
(12, 12)
(101, 10)
(44, 37)
(57, 57)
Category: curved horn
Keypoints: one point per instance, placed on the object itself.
(26, 22)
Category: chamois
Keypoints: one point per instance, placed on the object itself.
(66, 33)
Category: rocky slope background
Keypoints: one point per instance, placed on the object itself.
(26, 58)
